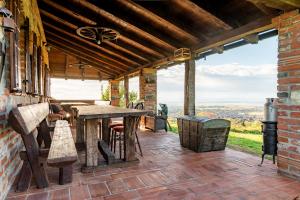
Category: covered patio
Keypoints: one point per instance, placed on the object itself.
(119, 39)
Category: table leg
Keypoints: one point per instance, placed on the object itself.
(91, 143)
(105, 130)
(130, 125)
(79, 130)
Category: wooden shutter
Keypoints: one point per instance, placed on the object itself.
(28, 78)
(40, 70)
(34, 66)
(47, 81)
(14, 52)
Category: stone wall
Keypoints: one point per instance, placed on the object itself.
(148, 88)
(10, 141)
(114, 95)
(288, 26)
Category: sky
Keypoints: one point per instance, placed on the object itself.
(246, 74)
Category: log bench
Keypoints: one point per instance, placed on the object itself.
(31, 123)
(62, 152)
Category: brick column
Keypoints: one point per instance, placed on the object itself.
(288, 26)
(114, 92)
(148, 88)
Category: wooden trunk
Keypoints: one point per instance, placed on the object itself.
(203, 134)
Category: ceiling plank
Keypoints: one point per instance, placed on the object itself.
(78, 56)
(99, 55)
(92, 44)
(200, 14)
(284, 5)
(295, 3)
(86, 51)
(122, 38)
(160, 22)
(70, 12)
(90, 23)
(126, 26)
(96, 66)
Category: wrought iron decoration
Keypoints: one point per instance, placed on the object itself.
(97, 34)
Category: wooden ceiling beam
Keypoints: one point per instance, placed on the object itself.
(284, 5)
(90, 23)
(96, 65)
(121, 38)
(199, 13)
(86, 51)
(71, 49)
(258, 26)
(127, 51)
(69, 12)
(126, 26)
(254, 27)
(97, 54)
(65, 33)
(159, 22)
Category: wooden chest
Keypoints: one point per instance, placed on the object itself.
(202, 134)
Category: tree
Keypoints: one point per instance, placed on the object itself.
(105, 95)
(132, 95)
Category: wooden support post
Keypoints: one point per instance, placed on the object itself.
(91, 143)
(130, 124)
(126, 88)
(189, 88)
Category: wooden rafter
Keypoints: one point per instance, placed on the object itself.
(68, 35)
(70, 49)
(260, 25)
(276, 4)
(87, 52)
(121, 38)
(199, 13)
(97, 55)
(70, 12)
(125, 25)
(75, 54)
(159, 22)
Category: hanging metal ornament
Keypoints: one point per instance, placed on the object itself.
(98, 34)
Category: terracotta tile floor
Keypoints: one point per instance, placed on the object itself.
(168, 171)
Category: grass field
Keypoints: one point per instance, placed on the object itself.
(244, 136)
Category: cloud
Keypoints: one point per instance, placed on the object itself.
(236, 69)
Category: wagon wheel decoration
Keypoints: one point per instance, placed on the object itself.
(98, 34)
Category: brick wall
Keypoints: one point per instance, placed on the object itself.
(148, 88)
(288, 26)
(114, 92)
(10, 141)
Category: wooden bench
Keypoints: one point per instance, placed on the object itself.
(62, 152)
(31, 123)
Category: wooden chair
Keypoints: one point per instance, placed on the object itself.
(117, 133)
(25, 120)
(31, 123)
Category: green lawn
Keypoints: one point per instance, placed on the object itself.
(244, 136)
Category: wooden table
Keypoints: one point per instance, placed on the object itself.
(91, 115)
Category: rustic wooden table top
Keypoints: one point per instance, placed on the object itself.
(100, 111)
